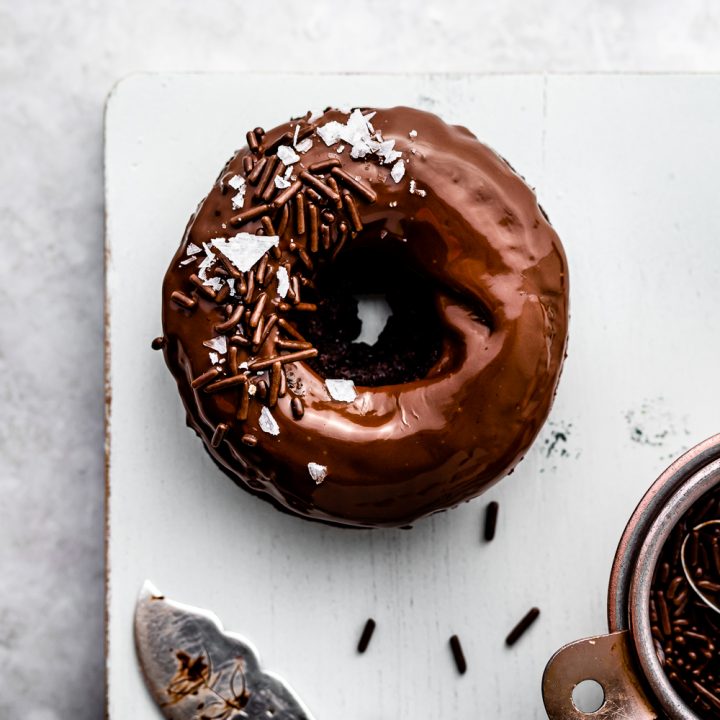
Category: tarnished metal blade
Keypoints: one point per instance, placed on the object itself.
(197, 671)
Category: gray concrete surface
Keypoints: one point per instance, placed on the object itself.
(58, 60)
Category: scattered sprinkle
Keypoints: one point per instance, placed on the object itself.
(287, 155)
(367, 634)
(458, 655)
(317, 472)
(491, 515)
(341, 390)
(158, 343)
(519, 630)
(245, 250)
(398, 171)
(283, 281)
(267, 422)
(218, 344)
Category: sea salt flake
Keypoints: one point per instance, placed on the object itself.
(283, 281)
(387, 153)
(317, 472)
(218, 344)
(287, 155)
(413, 133)
(281, 183)
(267, 422)
(187, 261)
(252, 389)
(329, 133)
(295, 135)
(238, 200)
(214, 282)
(236, 182)
(398, 171)
(245, 250)
(193, 249)
(341, 390)
(414, 190)
(304, 145)
(340, 149)
(207, 262)
(214, 357)
(231, 284)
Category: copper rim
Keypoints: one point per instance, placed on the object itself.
(671, 494)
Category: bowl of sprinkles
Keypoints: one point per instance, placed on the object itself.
(662, 656)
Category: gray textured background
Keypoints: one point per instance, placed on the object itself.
(58, 60)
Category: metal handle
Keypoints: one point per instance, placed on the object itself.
(606, 659)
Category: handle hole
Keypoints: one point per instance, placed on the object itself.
(588, 696)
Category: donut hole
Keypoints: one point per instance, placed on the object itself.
(409, 344)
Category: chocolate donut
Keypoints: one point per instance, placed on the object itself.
(259, 316)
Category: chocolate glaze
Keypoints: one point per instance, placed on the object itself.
(399, 452)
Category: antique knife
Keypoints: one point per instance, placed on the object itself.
(197, 671)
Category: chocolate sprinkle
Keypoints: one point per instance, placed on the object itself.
(491, 514)
(249, 440)
(257, 171)
(219, 435)
(226, 384)
(291, 357)
(287, 194)
(158, 343)
(366, 636)
(350, 182)
(300, 214)
(458, 655)
(183, 300)
(206, 378)
(521, 628)
(249, 214)
(297, 407)
(323, 165)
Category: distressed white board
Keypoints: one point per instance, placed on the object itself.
(627, 168)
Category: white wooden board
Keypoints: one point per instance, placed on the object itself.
(627, 168)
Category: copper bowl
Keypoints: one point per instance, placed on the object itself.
(624, 662)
